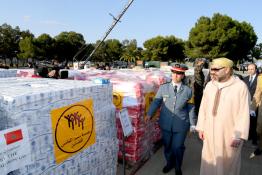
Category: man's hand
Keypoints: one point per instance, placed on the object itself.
(252, 113)
(193, 128)
(201, 135)
(236, 142)
(147, 118)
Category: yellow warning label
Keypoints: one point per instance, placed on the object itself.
(118, 100)
(149, 97)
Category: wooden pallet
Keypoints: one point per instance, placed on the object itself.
(132, 168)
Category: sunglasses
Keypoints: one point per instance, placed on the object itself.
(216, 69)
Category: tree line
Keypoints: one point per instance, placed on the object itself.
(218, 36)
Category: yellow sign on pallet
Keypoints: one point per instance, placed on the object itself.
(149, 97)
(73, 129)
(118, 100)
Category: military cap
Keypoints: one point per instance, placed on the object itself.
(179, 68)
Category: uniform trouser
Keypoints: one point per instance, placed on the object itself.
(259, 146)
(260, 142)
(174, 148)
(252, 129)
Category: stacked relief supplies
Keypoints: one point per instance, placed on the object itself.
(67, 127)
(133, 90)
(4, 73)
(130, 94)
(150, 80)
(25, 72)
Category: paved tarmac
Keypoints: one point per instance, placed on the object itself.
(191, 163)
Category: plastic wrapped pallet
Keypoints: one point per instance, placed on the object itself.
(139, 144)
(133, 90)
(29, 102)
(25, 72)
(5, 73)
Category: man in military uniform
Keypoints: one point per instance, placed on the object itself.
(176, 117)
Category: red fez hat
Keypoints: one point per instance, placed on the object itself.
(179, 68)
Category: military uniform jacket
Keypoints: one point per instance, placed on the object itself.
(176, 113)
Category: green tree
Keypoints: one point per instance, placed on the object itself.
(155, 49)
(220, 36)
(176, 49)
(113, 50)
(131, 52)
(256, 52)
(45, 47)
(26, 33)
(67, 45)
(9, 39)
(27, 48)
(100, 54)
(84, 52)
(162, 48)
(109, 51)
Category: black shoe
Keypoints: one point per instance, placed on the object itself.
(166, 169)
(178, 172)
(258, 152)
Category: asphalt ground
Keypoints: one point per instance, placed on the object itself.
(192, 159)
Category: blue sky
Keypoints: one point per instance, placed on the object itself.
(143, 20)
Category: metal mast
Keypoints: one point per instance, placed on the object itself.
(116, 20)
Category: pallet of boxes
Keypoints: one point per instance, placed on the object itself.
(132, 91)
(57, 127)
(135, 95)
(5, 73)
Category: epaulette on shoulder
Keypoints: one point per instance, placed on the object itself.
(165, 83)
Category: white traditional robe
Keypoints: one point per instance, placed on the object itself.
(231, 121)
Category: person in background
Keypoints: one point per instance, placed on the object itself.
(54, 74)
(251, 82)
(199, 80)
(107, 66)
(257, 104)
(42, 71)
(3, 66)
(55, 70)
(177, 115)
(223, 120)
(30, 65)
